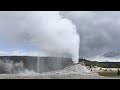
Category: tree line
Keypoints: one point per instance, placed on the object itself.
(100, 64)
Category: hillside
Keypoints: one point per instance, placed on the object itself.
(100, 64)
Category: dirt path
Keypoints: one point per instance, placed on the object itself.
(72, 76)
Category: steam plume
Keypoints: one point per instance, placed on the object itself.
(46, 30)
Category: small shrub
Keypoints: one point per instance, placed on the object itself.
(100, 68)
(118, 72)
(105, 70)
(110, 70)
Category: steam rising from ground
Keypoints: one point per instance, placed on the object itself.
(10, 67)
(46, 30)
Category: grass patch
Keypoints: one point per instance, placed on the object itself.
(109, 74)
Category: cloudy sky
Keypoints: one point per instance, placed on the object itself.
(99, 33)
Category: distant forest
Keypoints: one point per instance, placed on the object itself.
(100, 64)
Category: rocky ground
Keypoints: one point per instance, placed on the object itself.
(72, 76)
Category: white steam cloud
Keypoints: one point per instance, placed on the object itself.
(10, 67)
(46, 30)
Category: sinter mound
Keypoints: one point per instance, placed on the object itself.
(73, 69)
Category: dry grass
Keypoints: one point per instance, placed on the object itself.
(109, 74)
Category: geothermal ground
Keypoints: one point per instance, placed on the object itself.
(71, 72)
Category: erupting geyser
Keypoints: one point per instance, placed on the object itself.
(57, 36)
(46, 30)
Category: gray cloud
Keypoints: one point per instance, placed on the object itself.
(99, 31)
